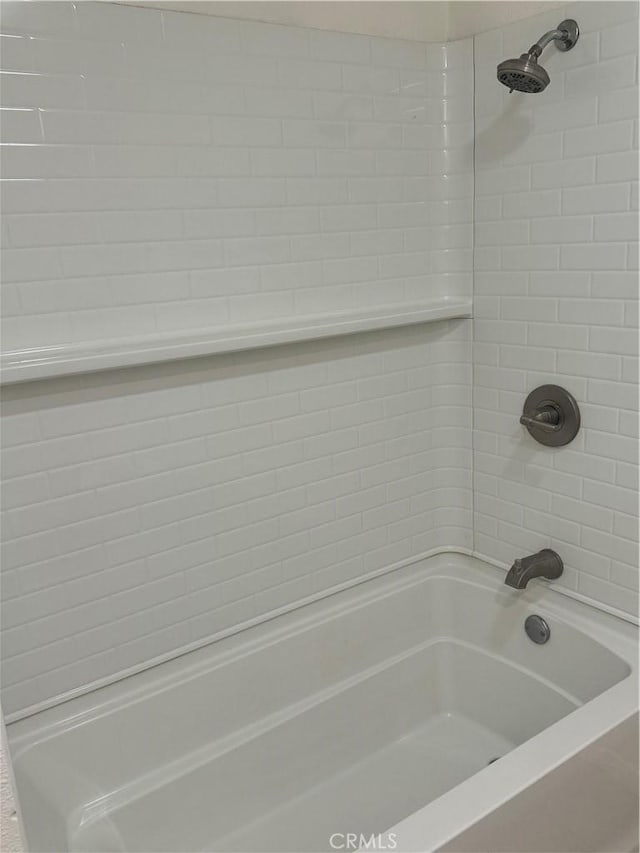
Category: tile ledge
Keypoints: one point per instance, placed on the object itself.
(68, 359)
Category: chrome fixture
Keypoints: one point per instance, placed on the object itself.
(545, 564)
(551, 415)
(524, 74)
(537, 629)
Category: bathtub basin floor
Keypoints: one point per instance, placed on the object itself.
(358, 759)
(365, 797)
(377, 792)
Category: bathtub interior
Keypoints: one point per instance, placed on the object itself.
(346, 722)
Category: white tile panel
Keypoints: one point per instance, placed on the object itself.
(139, 111)
(169, 172)
(558, 299)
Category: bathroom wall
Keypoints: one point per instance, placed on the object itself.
(470, 17)
(556, 299)
(416, 20)
(170, 170)
(10, 833)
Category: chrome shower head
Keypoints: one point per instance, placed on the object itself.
(524, 74)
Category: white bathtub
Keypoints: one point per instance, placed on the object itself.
(376, 711)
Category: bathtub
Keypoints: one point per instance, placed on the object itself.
(398, 714)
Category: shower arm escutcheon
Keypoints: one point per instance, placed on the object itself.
(565, 35)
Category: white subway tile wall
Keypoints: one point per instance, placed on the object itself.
(172, 170)
(166, 170)
(556, 299)
(152, 508)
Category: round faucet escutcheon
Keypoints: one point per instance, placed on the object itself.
(551, 415)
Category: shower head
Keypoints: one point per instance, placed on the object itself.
(524, 74)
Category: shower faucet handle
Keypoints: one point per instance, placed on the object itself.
(547, 419)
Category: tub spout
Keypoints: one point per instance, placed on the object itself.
(545, 564)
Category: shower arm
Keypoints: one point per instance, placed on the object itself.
(553, 35)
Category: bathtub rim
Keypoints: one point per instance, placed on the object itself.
(460, 808)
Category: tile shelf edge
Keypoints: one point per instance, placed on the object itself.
(78, 358)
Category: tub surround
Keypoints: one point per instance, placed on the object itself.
(170, 172)
(174, 171)
(556, 300)
(152, 508)
(159, 506)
